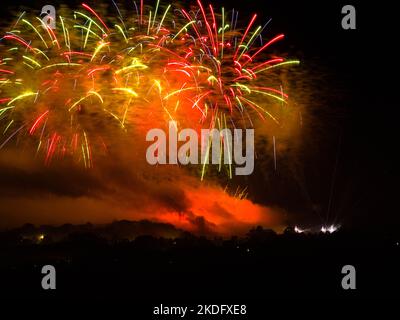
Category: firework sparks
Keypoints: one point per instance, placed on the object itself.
(67, 89)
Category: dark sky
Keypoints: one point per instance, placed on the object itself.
(349, 166)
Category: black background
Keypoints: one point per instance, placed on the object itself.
(362, 67)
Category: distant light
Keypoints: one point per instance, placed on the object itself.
(41, 237)
(298, 230)
(330, 229)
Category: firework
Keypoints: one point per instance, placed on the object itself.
(68, 90)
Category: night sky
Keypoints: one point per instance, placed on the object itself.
(342, 169)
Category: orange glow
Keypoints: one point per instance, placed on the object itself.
(216, 211)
